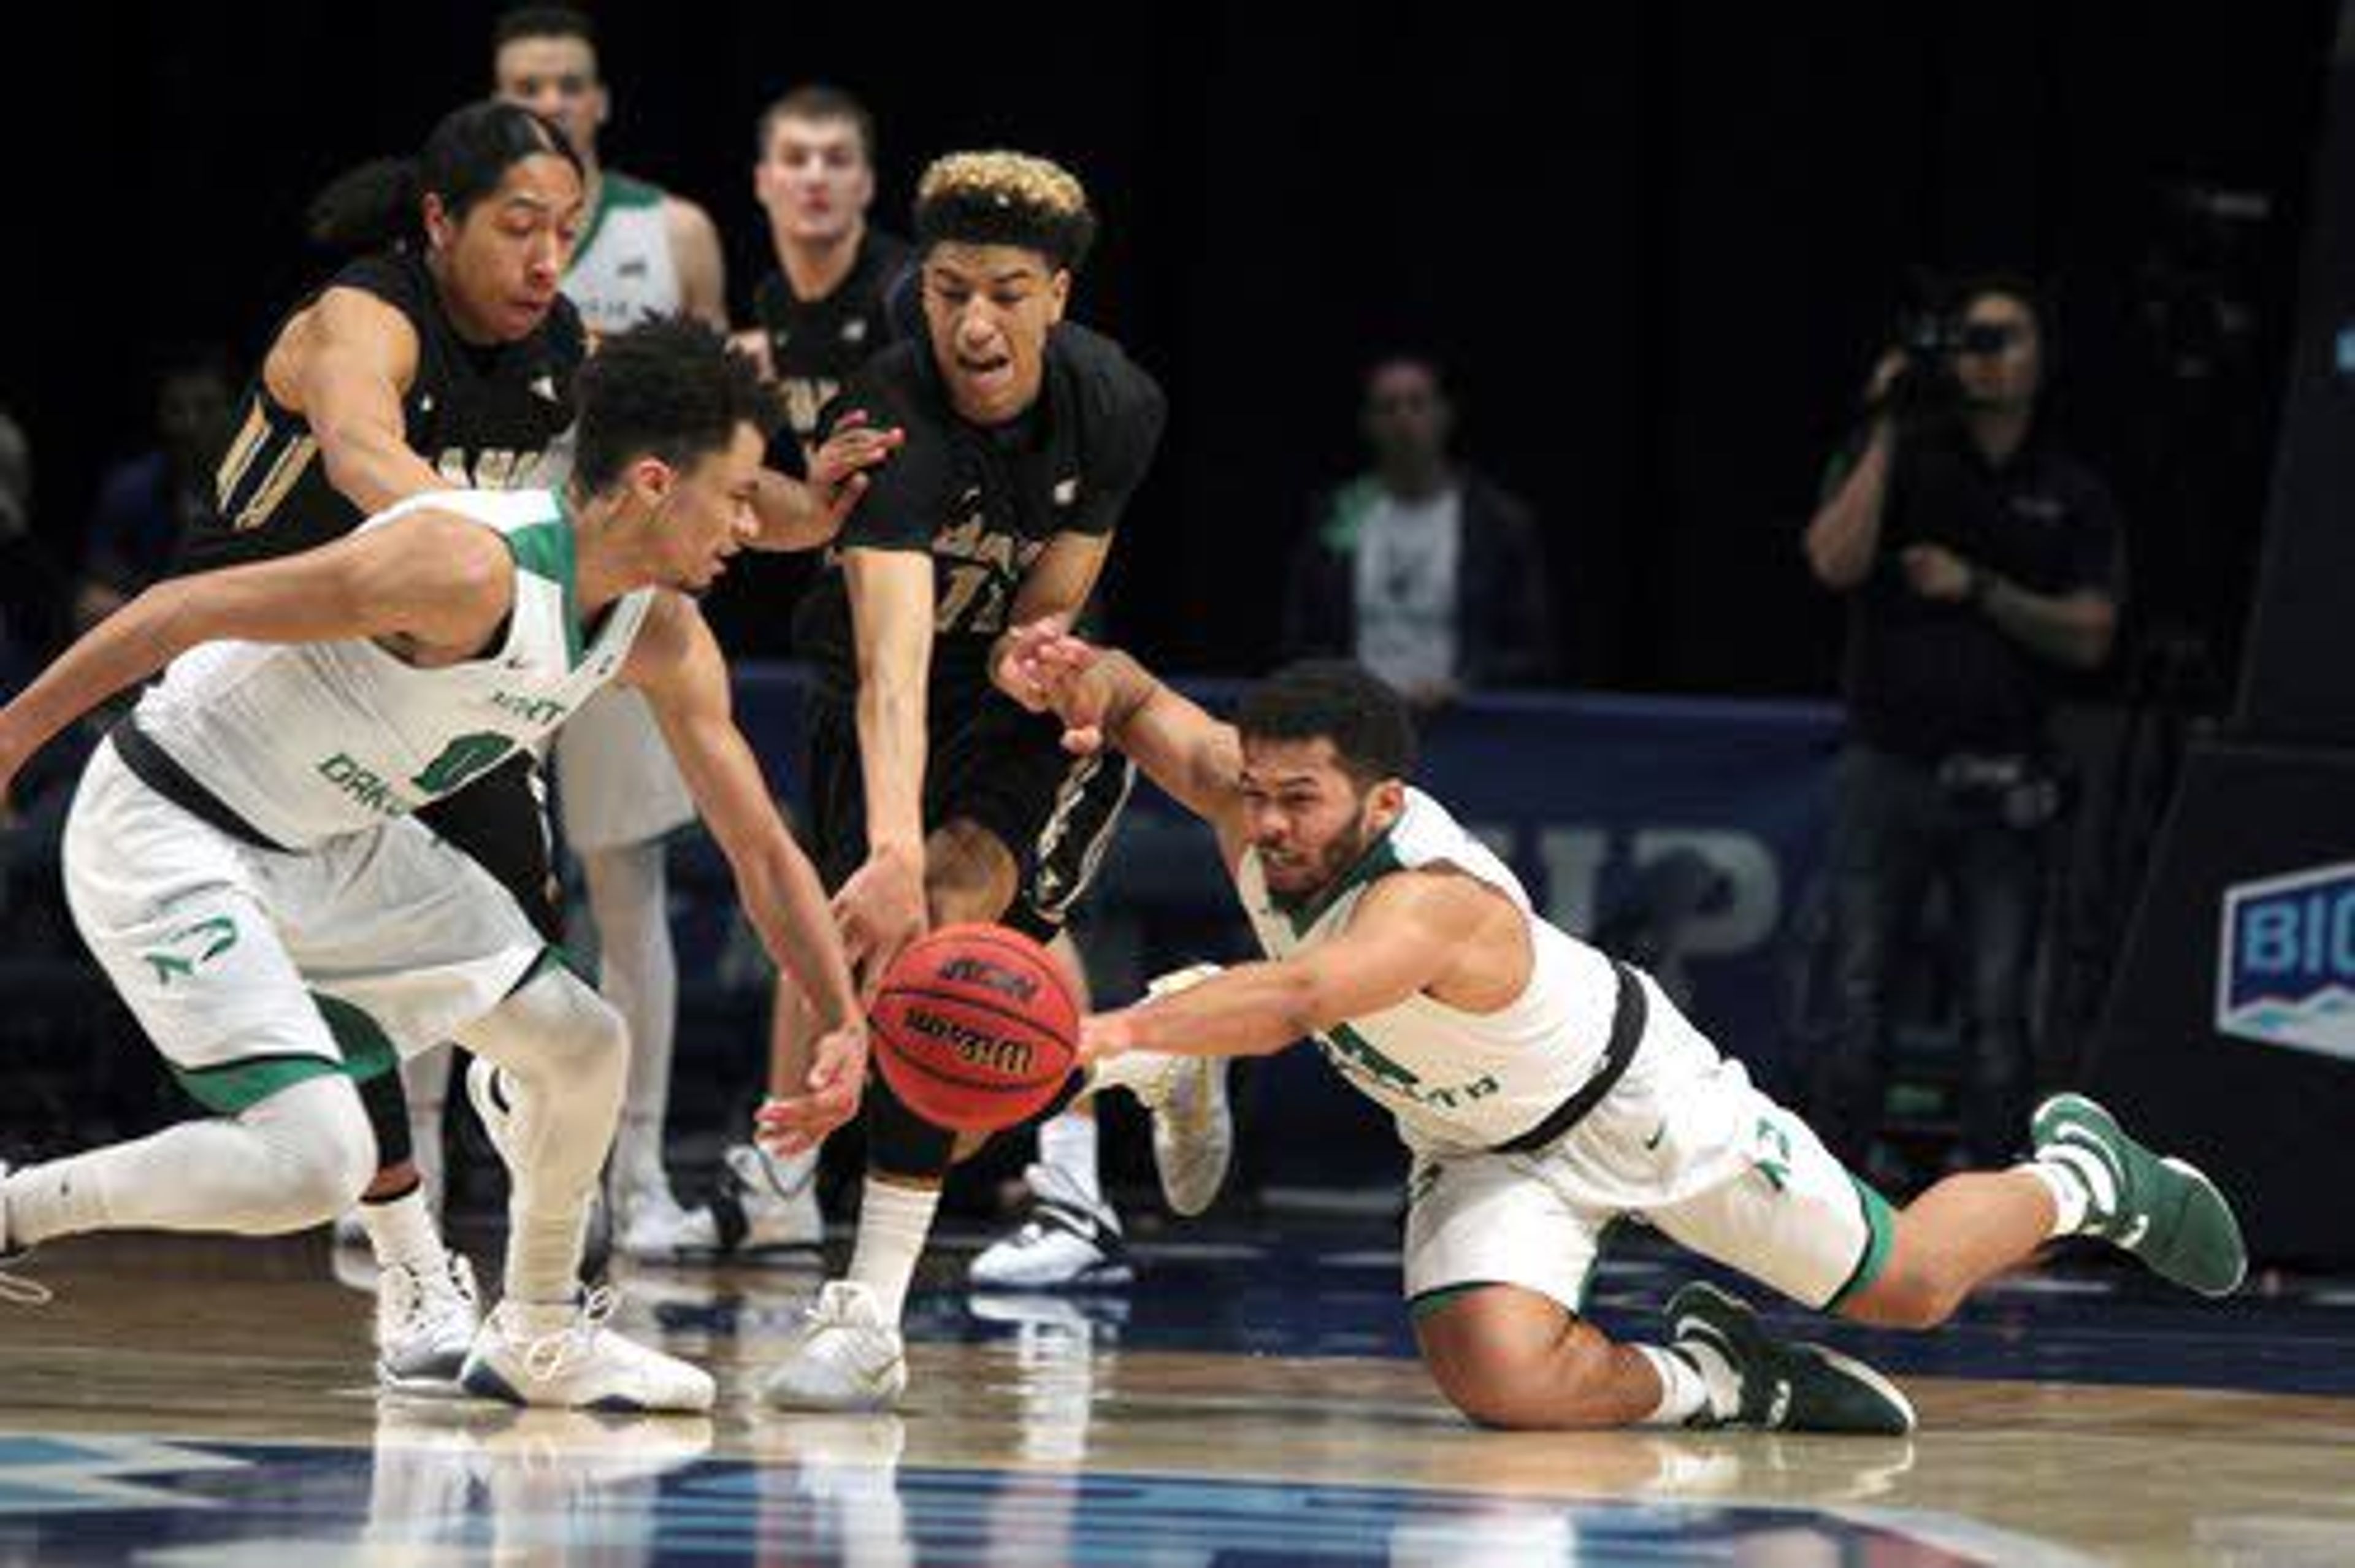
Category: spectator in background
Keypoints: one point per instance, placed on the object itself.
(1978, 562)
(825, 310)
(148, 504)
(1422, 569)
(20, 641)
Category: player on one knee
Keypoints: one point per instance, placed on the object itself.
(1545, 1090)
(245, 860)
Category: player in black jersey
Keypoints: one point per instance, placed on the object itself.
(825, 310)
(443, 357)
(934, 797)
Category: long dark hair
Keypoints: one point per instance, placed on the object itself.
(381, 202)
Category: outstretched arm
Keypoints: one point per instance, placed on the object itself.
(1404, 937)
(677, 663)
(440, 579)
(344, 365)
(1106, 698)
(806, 514)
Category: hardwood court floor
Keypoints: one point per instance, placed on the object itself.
(1247, 1401)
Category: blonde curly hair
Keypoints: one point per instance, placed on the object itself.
(1006, 198)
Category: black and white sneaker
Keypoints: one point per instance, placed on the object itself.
(1783, 1387)
(1064, 1242)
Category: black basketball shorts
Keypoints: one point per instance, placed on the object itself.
(995, 766)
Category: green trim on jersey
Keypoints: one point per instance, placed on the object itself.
(1881, 1235)
(1379, 860)
(613, 191)
(230, 1087)
(545, 550)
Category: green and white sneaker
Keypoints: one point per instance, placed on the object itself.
(2164, 1210)
(1783, 1387)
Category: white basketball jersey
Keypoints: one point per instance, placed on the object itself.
(1457, 1081)
(622, 272)
(308, 740)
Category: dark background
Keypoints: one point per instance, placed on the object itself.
(1655, 246)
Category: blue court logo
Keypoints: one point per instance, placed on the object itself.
(2286, 974)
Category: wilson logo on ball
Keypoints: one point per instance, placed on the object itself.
(975, 1027)
(979, 1048)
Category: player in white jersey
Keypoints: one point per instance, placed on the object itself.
(642, 252)
(244, 859)
(1545, 1090)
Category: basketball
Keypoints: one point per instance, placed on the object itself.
(975, 1027)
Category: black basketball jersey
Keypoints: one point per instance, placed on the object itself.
(984, 501)
(483, 416)
(815, 345)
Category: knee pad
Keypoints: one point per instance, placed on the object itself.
(898, 1141)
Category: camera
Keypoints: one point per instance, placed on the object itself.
(1927, 332)
(1930, 331)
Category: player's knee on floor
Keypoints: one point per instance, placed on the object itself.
(1506, 1356)
(318, 1138)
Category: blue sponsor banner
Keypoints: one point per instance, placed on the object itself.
(2286, 971)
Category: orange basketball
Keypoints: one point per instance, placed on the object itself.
(975, 1027)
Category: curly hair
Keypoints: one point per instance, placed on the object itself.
(1006, 198)
(667, 388)
(1369, 725)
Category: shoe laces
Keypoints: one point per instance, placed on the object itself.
(546, 1357)
(430, 1296)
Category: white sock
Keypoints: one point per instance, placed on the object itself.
(425, 1080)
(2080, 1184)
(893, 1221)
(1687, 1386)
(401, 1231)
(1068, 1146)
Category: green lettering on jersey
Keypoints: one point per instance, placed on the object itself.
(461, 760)
(1356, 1052)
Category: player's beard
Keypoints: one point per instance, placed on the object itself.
(1342, 852)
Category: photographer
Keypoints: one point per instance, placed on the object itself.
(1979, 562)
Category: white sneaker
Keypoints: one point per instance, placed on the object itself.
(765, 1204)
(1193, 1124)
(425, 1323)
(15, 1286)
(1063, 1243)
(1193, 1134)
(490, 1098)
(676, 1235)
(580, 1364)
(845, 1358)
